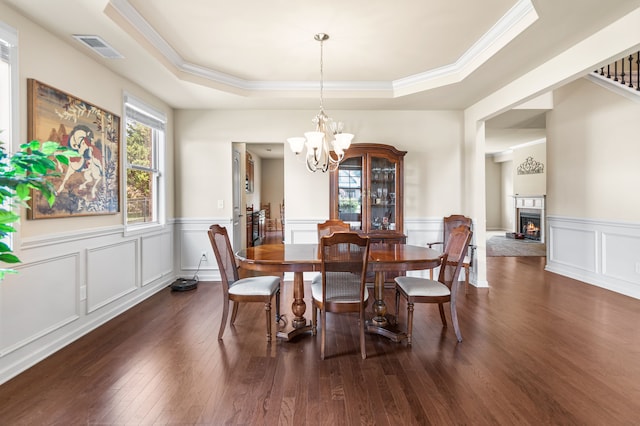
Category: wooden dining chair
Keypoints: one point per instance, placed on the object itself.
(330, 226)
(342, 286)
(236, 289)
(449, 223)
(422, 290)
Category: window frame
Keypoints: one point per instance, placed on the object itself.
(11, 135)
(141, 112)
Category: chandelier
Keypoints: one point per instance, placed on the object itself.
(319, 157)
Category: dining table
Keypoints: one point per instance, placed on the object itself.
(300, 258)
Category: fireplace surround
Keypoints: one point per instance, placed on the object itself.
(529, 216)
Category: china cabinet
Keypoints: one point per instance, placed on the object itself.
(366, 191)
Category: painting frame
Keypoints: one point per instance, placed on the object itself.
(90, 184)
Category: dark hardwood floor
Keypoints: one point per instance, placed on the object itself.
(538, 349)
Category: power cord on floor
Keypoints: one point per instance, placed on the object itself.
(195, 275)
(185, 284)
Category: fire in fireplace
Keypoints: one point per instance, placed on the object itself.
(530, 224)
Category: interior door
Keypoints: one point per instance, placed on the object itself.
(237, 197)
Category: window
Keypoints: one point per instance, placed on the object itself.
(145, 130)
(9, 125)
(349, 190)
(8, 86)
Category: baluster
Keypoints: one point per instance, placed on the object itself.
(638, 70)
(630, 71)
(622, 74)
(601, 70)
(615, 71)
(609, 71)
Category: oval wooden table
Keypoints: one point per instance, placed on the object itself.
(299, 258)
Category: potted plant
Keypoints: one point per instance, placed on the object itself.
(21, 172)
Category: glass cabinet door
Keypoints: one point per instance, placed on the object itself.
(366, 191)
(382, 194)
(350, 192)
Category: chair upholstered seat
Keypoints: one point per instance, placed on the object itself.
(413, 286)
(345, 288)
(317, 279)
(255, 286)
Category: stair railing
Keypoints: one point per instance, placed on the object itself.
(623, 71)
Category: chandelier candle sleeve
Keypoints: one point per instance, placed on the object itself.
(318, 156)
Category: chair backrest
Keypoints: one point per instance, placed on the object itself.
(330, 226)
(224, 255)
(267, 210)
(456, 247)
(345, 258)
(452, 222)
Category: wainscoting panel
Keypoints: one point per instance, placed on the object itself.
(69, 284)
(574, 247)
(52, 303)
(157, 257)
(419, 232)
(601, 253)
(621, 257)
(112, 272)
(192, 241)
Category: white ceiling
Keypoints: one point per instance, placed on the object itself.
(408, 54)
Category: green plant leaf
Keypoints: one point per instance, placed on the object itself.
(9, 258)
(64, 159)
(22, 191)
(7, 216)
(6, 229)
(49, 147)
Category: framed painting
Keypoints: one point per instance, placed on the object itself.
(89, 185)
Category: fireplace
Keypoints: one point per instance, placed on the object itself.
(530, 224)
(529, 217)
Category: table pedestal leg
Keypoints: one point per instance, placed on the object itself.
(299, 323)
(379, 307)
(298, 307)
(379, 324)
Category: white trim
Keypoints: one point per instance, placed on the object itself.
(158, 168)
(612, 86)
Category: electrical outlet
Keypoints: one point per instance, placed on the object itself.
(203, 256)
(220, 204)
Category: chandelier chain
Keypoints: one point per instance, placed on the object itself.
(321, 75)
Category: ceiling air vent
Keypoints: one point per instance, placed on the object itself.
(99, 46)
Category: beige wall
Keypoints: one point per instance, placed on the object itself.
(54, 62)
(272, 182)
(493, 190)
(593, 152)
(433, 165)
(530, 184)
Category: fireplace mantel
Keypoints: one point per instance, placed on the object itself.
(532, 204)
(529, 201)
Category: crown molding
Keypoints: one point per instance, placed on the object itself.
(513, 23)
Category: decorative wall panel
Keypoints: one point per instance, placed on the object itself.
(51, 289)
(600, 253)
(112, 272)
